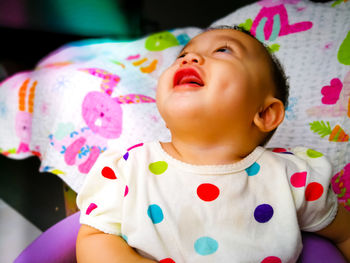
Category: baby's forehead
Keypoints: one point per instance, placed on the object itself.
(211, 36)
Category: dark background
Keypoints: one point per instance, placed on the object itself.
(30, 29)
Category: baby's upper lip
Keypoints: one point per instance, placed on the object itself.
(188, 76)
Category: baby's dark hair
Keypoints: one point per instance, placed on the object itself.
(278, 75)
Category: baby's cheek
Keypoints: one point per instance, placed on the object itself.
(167, 74)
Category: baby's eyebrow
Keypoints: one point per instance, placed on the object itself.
(186, 46)
(223, 38)
(233, 40)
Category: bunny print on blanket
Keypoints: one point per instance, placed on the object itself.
(103, 116)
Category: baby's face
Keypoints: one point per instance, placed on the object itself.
(221, 76)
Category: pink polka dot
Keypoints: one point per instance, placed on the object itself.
(135, 146)
(108, 173)
(208, 192)
(91, 207)
(298, 179)
(167, 260)
(271, 260)
(126, 191)
(313, 191)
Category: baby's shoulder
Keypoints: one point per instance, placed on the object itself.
(302, 158)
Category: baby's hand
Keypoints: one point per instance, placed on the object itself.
(95, 246)
(339, 231)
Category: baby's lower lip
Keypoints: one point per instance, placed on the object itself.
(188, 86)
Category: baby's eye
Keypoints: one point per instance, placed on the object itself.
(224, 50)
(181, 55)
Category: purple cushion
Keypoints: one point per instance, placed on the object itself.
(57, 244)
(319, 249)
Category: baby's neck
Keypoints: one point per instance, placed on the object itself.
(206, 154)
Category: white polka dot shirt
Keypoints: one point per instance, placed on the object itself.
(171, 211)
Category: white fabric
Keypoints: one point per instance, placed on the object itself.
(221, 213)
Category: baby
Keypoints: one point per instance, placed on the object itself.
(213, 193)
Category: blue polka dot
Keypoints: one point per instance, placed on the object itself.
(183, 39)
(253, 169)
(125, 238)
(206, 246)
(263, 213)
(155, 213)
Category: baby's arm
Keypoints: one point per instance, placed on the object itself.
(95, 246)
(339, 231)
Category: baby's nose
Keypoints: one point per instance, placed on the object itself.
(191, 58)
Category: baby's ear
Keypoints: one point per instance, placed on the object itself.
(268, 118)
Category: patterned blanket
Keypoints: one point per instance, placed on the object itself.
(95, 94)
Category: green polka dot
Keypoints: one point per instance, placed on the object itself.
(247, 25)
(344, 51)
(158, 167)
(313, 154)
(161, 41)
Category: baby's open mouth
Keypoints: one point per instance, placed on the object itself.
(188, 76)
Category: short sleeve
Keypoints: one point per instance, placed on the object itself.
(310, 175)
(101, 197)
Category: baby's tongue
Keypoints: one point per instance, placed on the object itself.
(191, 80)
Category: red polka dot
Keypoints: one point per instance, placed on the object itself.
(298, 179)
(108, 173)
(313, 191)
(279, 150)
(167, 260)
(271, 260)
(208, 192)
(91, 207)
